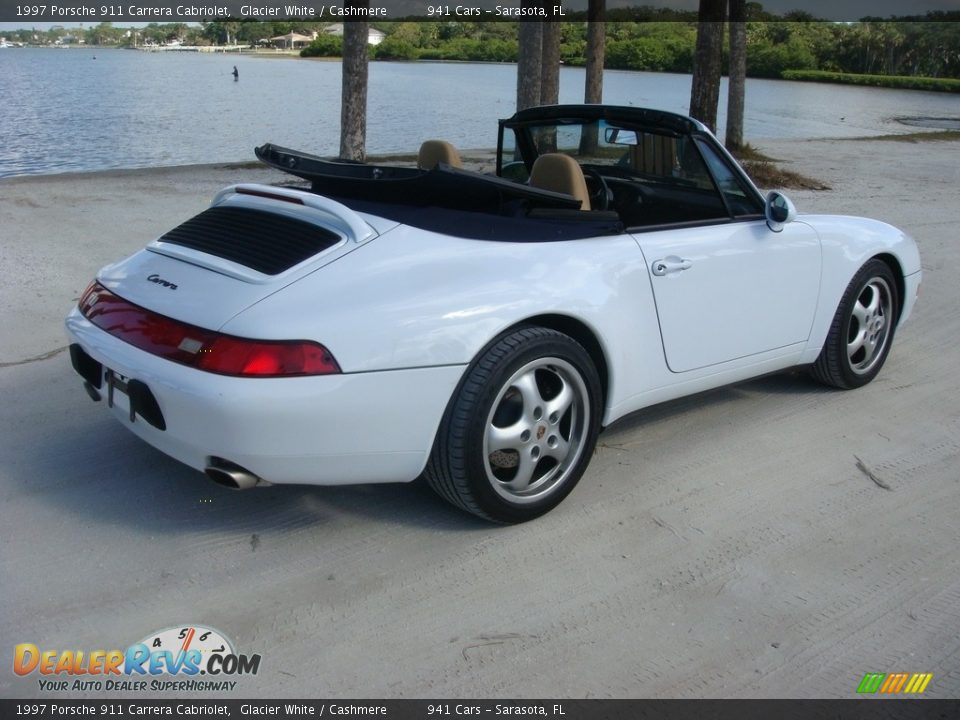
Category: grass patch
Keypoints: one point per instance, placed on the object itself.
(393, 159)
(933, 136)
(900, 82)
(748, 153)
(766, 173)
(769, 175)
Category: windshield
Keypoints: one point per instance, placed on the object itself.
(648, 174)
(630, 152)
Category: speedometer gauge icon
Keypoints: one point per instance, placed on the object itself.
(179, 640)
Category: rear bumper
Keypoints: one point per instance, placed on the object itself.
(329, 430)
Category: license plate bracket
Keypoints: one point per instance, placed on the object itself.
(141, 399)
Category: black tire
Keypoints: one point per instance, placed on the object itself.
(862, 330)
(510, 447)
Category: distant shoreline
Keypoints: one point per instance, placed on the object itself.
(480, 160)
(211, 49)
(126, 110)
(111, 173)
(894, 82)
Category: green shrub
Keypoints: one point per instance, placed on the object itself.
(324, 46)
(889, 81)
(649, 53)
(470, 49)
(771, 60)
(574, 53)
(396, 49)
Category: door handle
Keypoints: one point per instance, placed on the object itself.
(670, 264)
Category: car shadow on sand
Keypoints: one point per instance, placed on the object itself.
(80, 459)
(149, 490)
(791, 383)
(86, 463)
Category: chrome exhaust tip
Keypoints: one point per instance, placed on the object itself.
(231, 475)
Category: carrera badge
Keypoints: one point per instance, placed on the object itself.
(160, 281)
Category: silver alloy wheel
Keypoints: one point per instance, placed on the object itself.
(870, 323)
(536, 429)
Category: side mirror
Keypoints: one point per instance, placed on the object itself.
(779, 211)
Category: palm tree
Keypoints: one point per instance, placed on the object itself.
(596, 49)
(353, 100)
(708, 57)
(593, 83)
(738, 74)
(550, 64)
(529, 62)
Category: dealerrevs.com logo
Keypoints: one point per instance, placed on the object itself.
(172, 659)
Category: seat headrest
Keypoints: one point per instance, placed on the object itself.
(560, 173)
(433, 152)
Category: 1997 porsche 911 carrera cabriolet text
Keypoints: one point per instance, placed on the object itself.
(383, 323)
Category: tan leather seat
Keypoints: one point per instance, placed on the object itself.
(433, 152)
(560, 173)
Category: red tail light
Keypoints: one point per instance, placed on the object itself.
(236, 356)
(199, 348)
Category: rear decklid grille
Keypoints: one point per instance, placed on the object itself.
(253, 241)
(263, 241)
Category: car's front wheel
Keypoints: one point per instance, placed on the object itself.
(521, 428)
(862, 329)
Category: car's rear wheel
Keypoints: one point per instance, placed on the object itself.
(862, 330)
(521, 428)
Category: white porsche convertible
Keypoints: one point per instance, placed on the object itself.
(382, 323)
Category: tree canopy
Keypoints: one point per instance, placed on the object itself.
(636, 39)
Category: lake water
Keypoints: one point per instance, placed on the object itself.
(90, 109)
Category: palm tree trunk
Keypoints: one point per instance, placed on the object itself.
(529, 59)
(353, 107)
(705, 89)
(596, 49)
(593, 83)
(549, 79)
(736, 90)
(550, 64)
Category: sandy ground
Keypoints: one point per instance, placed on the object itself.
(725, 545)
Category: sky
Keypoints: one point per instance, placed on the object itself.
(827, 9)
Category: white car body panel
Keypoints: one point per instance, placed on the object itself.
(428, 299)
(742, 290)
(331, 430)
(405, 311)
(444, 320)
(848, 242)
(210, 299)
(326, 430)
